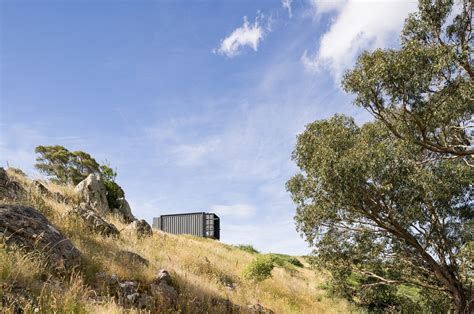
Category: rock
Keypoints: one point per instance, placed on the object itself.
(165, 294)
(9, 189)
(29, 229)
(163, 276)
(93, 193)
(124, 210)
(128, 287)
(58, 197)
(43, 190)
(140, 227)
(259, 309)
(93, 221)
(131, 257)
(145, 301)
(162, 289)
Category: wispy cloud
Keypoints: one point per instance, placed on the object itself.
(358, 25)
(287, 5)
(194, 154)
(246, 35)
(235, 211)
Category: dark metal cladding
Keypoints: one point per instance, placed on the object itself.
(199, 224)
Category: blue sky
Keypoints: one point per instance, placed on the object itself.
(197, 104)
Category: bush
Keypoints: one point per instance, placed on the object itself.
(260, 268)
(283, 259)
(247, 248)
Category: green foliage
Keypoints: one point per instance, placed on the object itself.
(114, 191)
(283, 259)
(372, 208)
(63, 166)
(423, 92)
(66, 167)
(389, 203)
(247, 248)
(260, 268)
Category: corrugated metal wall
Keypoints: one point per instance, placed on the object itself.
(184, 224)
(197, 224)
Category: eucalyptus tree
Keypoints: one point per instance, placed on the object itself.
(389, 204)
(423, 92)
(373, 208)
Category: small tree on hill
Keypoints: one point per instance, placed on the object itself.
(66, 167)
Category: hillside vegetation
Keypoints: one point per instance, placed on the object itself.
(207, 274)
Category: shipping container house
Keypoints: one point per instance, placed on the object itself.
(199, 224)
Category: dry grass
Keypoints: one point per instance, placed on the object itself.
(199, 267)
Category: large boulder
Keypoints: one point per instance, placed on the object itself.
(140, 228)
(92, 220)
(93, 192)
(9, 189)
(30, 230)
(128, 258)
(124, 210)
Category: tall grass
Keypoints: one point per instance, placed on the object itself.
(204, 271)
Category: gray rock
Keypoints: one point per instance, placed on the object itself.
(145, 301)
(124, 210)
(140, 227)
(9, 189)
(259, 309)
(43, 190)
(165, 294)
(163, 276)
(162, 289)
(29, 229)
(92, 220)
(131, 257)
(93, 192)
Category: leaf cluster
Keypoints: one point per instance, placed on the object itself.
(66, 167)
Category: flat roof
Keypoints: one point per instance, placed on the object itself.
(184, 214)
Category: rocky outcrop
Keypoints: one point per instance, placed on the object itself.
(124, 210)
(93, 192)
(140, 228)
(162, 289)
(9, 189)
(131, 258)
(259, 309)
(28, 229)
(160, 294)
(92, 220)
(43, 190)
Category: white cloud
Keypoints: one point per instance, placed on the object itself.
(326, 6)
(287, 5)
(357, 26)
(236, 210)
(192, 155)
(246, 35)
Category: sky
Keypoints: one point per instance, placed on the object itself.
(197, 104)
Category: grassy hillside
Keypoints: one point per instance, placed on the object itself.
(202, 270)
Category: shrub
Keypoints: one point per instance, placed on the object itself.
(282, 259)
(260, 268)
(247, 248)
